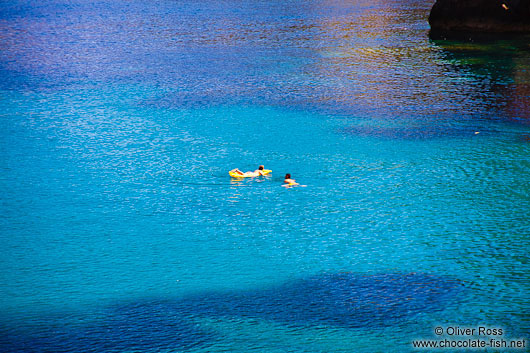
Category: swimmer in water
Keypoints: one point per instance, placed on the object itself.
(288, 181)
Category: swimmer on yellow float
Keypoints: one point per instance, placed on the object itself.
(236, 173)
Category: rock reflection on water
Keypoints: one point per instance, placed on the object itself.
(359, 60)
(501, 68)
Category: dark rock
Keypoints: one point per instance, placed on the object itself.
(500, 16)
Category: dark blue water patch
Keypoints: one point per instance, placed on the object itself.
(525, 138)
(340, 299)
(344, 300)
(413, 133)
(132, 328)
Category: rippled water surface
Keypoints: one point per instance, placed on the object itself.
(121, 230)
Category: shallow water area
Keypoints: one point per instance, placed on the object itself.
(121, 229)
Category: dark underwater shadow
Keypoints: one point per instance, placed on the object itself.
(132, 329)
(345, 300)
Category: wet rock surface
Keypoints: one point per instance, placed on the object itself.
(497, 16)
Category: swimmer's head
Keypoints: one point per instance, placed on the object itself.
(287, 176)
(261, 167)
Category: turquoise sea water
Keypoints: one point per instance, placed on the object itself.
(121, 230)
